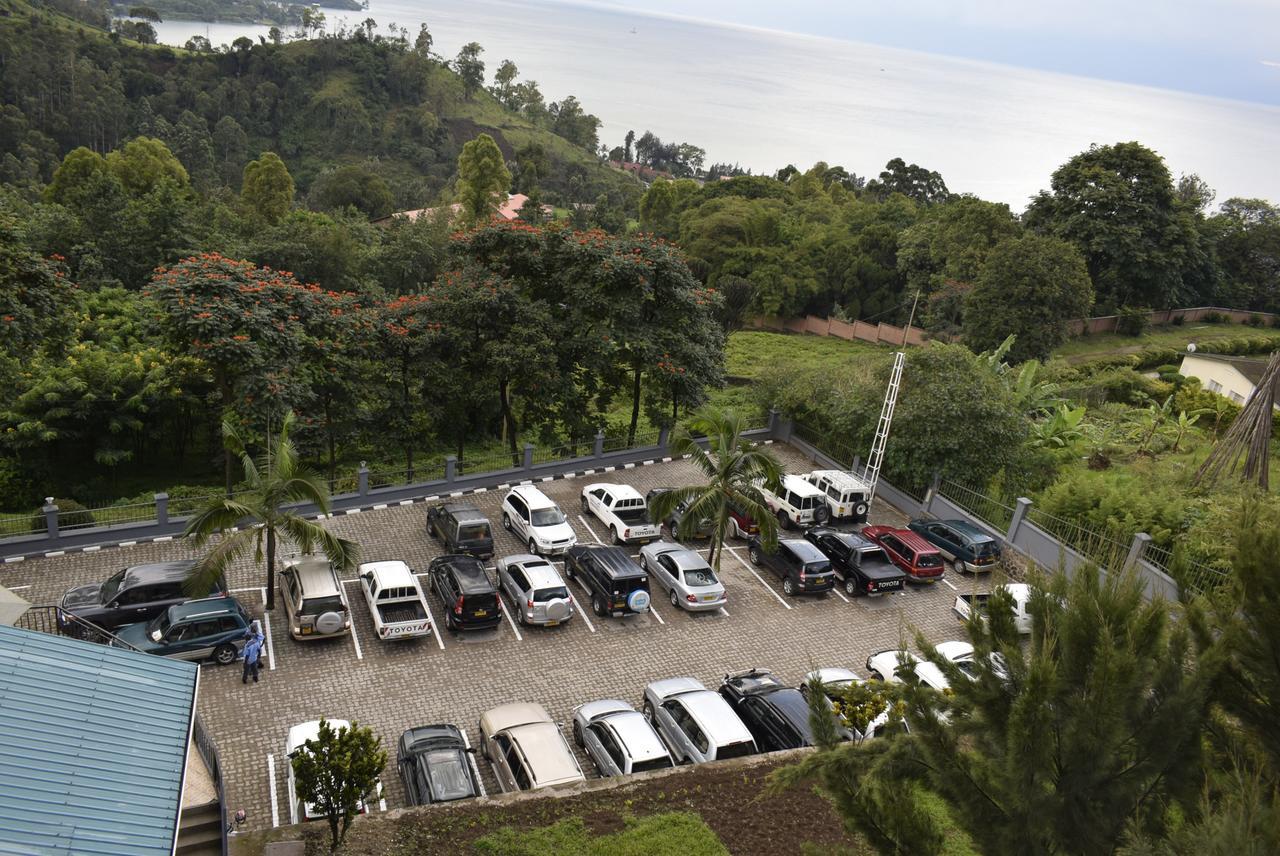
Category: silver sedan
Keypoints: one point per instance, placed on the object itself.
(685, 575)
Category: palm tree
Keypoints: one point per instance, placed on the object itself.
(735, 469)
(275, 480)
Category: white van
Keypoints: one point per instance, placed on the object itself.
(797, 503)
(848, 496)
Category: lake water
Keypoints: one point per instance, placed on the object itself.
(765, 99)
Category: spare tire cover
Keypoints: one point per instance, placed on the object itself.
(638, 600)
(557, 610)
(329, 622)
(861, 509)
(821, 513)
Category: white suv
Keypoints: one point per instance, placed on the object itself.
(531, 516)
(847, 494)
(797, 503)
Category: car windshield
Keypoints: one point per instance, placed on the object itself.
(546, 594)
(160, 622)
(111, 586)
(735, 750)
(700, 577)
(317, 605)
(547, 517)
(967, 667)
(652, 764)
(449, 780)
(473, 532)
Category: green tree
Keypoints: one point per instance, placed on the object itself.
(1117, 205)
(73, 174)
(273, 481)
(35, 296)
(914, 182)
(338, 770)
(142, 163)
(504, 85)
(353, 186)
(1246, 235)
(734, 469)
(267, 189)
(483, 180)
(944, 386)
(423, 41)
(470, 68)
(1032, 286)
(952, 241)
(576, 125)
(230, 146)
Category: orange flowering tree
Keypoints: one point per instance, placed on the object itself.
(252, 326)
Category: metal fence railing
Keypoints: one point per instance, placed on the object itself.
(1088, 542)
(561, 452)
(1197, 576)
(976, 503)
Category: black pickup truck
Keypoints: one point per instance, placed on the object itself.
(462, 528)
(863, 566)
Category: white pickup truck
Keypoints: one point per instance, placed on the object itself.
(395, 600)
(966, 604)
(621, 508)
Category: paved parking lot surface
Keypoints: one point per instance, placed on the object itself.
(447, 677)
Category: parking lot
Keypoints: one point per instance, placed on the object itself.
(446, 677)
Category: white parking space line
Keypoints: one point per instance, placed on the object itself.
(583, 612)
(434, 628)
(236, 591)
(271, 648)
(502, 604)
(355, 639)
(262, 590)
(839, 594)
(723, 612)
(589, 529)
(471, 756)
(655, 614)
(948, 582)
(382, 796)
(733, 552)
(18, 588)
(271, 784)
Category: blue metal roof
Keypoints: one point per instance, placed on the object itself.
(93, 743)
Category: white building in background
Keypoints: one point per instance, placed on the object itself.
(1232, 377)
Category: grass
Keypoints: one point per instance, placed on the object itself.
(749, 352)
(1104, 344)
(679, 832)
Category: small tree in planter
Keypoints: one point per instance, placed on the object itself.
(336, 771)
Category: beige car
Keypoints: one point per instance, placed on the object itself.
(526, 748)
(313, 597)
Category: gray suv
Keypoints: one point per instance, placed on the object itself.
(697, 724)
(313, 598)
(538, 594)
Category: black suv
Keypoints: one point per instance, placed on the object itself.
(618, 585)
(864, 567)
(462, 528)
(435, 765)
(135, 594)
(776, 715)
(470, 597)
(802, 567)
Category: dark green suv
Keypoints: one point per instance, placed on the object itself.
(216, 628)
(966, 546)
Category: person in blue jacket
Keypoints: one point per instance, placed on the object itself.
(253, 652)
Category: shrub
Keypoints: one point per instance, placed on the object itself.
(1178, 320)
(1255, 320)
(70, 513)
(1133, 321)
(1123, 385)
(1214, 318)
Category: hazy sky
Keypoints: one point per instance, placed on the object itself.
(1228, 48)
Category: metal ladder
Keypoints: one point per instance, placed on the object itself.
(876, 457)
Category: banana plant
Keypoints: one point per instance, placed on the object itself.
(1184, 423)
(1033, 397)
(1060, 429)
(1147, 424)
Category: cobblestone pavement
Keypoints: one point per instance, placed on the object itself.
(392, 686)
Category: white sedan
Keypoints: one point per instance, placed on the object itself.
(296, 742)
(886, 665)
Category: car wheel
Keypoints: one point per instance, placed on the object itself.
(783, 520)
(533, 547)
(644, 563)
(675, 599)
(788, 587)
(224, 655)
(754, 555)
(524, 622)
(617, 538)
(597, 605)
(577, 735)
(957, 566)
(586, 507)
(506, 522)
(648, 710)
(484, 744)
(850, 586)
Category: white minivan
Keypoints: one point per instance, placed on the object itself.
(531, 516)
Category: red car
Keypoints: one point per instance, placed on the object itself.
(921, 560)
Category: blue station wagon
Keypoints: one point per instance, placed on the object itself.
(196, 630)
(965, 545)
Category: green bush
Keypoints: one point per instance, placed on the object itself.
(1116, 504)
(1123, 384)
(1133, 321)
(1214, 318)
(1255, 320)
(70, 513)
